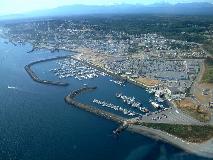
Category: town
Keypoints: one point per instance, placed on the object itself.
(144, 58)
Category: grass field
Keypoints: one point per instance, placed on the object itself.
(208, 75)
(208, 46)
(190, 133)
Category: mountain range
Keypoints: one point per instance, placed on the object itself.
(163, 8)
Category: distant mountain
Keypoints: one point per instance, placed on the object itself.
(164, 8)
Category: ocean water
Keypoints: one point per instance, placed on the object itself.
(36, 123)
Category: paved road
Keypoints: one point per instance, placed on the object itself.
(171, 116)
(195, 88)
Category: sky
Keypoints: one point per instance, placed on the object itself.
(8, 7)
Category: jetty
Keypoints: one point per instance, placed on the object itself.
(70, 99)
(34, 77)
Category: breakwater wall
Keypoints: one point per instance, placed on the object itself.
(33, 75)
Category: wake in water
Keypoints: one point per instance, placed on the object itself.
(22, 90)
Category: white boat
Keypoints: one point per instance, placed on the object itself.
(11, 87)
(154, 104)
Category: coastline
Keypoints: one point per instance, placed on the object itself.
(200, 149)
(153, 133)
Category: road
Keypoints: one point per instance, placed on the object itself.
(171, 116)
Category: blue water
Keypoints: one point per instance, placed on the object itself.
(36, 123)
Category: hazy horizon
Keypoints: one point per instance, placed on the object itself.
(21, 6)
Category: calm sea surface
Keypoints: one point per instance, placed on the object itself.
(36, 123)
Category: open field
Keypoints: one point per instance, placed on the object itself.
(147, 81)
(208, 74)
(191, 108)
(208, 46)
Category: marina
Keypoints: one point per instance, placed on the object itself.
(72, 81)
(71, 67)
(70, 99)
(36, 116)
(116, 108)
(132, 102)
